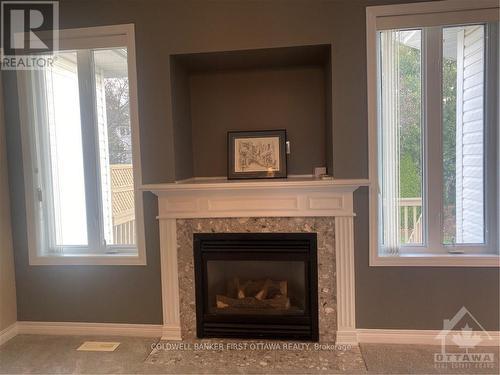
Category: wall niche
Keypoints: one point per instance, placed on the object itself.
(273, 88)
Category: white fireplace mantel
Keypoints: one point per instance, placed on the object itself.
(291, 197)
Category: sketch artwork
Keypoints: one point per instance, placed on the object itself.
(257, 154)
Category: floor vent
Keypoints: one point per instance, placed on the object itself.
(98, 346)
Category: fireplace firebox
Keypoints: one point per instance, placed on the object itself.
(256, 285)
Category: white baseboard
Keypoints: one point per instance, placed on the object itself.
(347, 337)
(421, 337)
(171, 332)
(166, 332)
(7, 333)
(97, 329)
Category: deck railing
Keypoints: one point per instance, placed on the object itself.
(124, 234)
(122, 196)
(411, 220)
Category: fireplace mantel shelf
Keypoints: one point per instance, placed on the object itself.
(292, 197)
(220, 183)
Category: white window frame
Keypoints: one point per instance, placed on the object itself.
(449, 12)
(71, 39)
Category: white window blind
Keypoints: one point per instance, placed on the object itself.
(389, 144)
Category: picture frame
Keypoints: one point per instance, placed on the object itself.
(256, 154)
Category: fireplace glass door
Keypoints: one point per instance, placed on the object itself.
(256, 285)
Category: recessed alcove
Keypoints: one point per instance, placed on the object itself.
(273, 88)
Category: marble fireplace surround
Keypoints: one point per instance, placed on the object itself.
(323, 226)
(294, 204)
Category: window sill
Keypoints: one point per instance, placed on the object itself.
(437, 260)
(89, 259)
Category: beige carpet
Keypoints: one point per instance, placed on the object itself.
(419, 359)
(39, 354)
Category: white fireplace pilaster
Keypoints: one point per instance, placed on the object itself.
(170, 280)
(346, 299)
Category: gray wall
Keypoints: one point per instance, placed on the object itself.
(181, 119)
(418, 297)
(393, 297)
(291, 98)
(8, 312)
(120, 294)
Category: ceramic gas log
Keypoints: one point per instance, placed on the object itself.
(264, 295)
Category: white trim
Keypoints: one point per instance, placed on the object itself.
(426, 260)
(221, 183)
(292, 197)
(371, 84)
(7, 333)
(459, 134)
(74, 328)
(407, 10)
(346, 337)
(171, 332)
(420, 337)
(284, 198)
(344, 262)
(433, 13)
(94, 260)
(92, 37)
(430, 7)
(166, 332)
(362, 336)
(170, 279)
(136, 142)
(25, 109)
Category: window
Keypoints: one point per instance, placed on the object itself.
(81, 145)
(433, 134)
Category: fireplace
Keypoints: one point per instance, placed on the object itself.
(256, 285)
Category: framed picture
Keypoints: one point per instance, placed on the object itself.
(256, 154)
